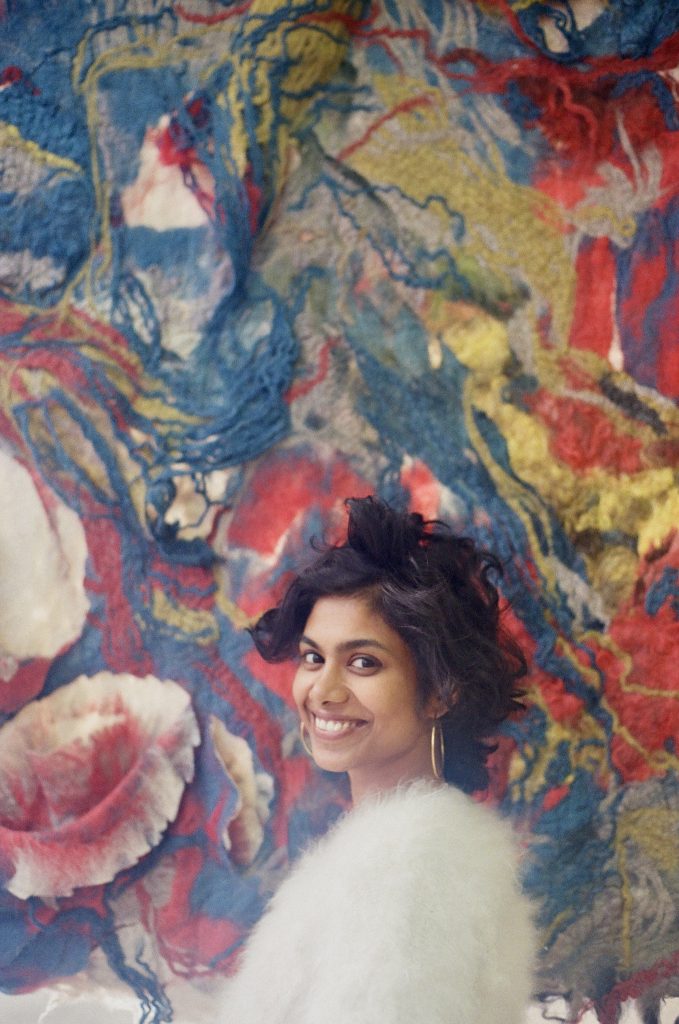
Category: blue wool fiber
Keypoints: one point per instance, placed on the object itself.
(664, 589)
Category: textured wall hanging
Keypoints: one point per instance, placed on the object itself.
(258, 257)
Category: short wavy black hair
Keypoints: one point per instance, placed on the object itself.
(435, 590)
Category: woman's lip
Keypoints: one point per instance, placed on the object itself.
(327, 717)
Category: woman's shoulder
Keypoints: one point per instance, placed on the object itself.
(439, 823)
(431, 808)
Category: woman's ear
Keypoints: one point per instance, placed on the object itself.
(436, 707)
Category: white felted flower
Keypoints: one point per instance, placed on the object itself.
(245, 832)
(90, 777)
(42, 568)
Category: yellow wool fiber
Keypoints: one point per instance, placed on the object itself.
(511, 231)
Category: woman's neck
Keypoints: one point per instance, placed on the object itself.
(367, 783)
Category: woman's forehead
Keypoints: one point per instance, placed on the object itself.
(347, 617)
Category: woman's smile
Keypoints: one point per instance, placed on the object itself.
(331, 727)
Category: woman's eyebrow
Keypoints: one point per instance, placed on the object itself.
(347, 645)
(351, 645)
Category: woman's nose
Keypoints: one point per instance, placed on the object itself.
(329, 686)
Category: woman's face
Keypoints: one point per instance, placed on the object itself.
(356, 691)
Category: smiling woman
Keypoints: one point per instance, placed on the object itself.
(356, 690)
(409, 909)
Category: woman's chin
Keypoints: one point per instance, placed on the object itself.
(331, 760)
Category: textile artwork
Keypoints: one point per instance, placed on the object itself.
(260, 256)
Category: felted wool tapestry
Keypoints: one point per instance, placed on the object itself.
(260, 256)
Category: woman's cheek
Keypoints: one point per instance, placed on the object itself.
(300, 688)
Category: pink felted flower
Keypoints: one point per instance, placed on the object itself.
(90, 777)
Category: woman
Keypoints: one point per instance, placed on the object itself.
(408, 910)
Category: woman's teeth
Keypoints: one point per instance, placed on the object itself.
(333, 726)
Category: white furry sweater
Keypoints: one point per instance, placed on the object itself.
(407, 912)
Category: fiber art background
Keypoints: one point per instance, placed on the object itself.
(258, 257)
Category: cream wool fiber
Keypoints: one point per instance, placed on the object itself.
(407, 912)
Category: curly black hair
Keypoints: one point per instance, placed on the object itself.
(435, 590)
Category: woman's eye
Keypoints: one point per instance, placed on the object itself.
(363, 663)
(310, 658)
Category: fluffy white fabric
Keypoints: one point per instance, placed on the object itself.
(407, 912)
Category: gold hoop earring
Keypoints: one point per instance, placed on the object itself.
(438, 751)
(302, 735)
